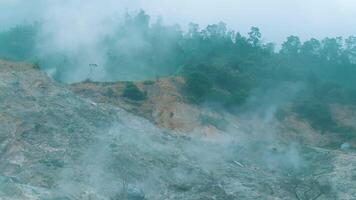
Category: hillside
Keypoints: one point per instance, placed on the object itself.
(75, 142)
(166, 106)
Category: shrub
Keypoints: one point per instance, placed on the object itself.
(239, 97)
(198, 86)
(317, 114)
(220, 97)
(36, 65)
(88, 80)
(132, 92)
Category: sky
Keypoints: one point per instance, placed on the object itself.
(276, 18)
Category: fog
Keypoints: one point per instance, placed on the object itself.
(274, 106)
(276, 18)
(136, 157)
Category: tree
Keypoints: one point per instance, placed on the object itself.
(291, 47)
(19, 43)
(198, 86)
(350, 50)
(311, 48)
(254, 37)
(242, 44)
(193, 30)
(331, 49)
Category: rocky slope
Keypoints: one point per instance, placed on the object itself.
(75, 142)
(164, 105)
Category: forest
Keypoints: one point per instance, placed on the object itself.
(221, 66)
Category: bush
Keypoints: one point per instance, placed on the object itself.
(220, 97)
(198, 86)
(36, 65)
(228, 99)
(132, 92)
(317, 114)
(88, 80)
(219, 82)
(239, 97)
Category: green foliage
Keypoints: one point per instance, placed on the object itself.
(36, 65)
(197, 86)
(228, 86)
(19, 43)
(88, 80)
(239, 97)
(220, 65)
(317, 114)
(313, 105)
(292, 46)
(150, 48)
(220, 96)
(255, 36)
(132, 92)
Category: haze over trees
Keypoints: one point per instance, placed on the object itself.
(220, 65)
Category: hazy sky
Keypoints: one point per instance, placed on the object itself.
(276, 18)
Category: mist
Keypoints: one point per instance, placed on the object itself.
(309, 19)
(72, 32)
(133, 157)
(157, 99)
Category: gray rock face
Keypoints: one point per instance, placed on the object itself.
(56, 145)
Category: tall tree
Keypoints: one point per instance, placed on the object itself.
(292, 46)
(331, 49)
(255, 36)
(311, 49)
(350, 44)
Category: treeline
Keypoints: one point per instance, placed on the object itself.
(19, 43)
(219, 64)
